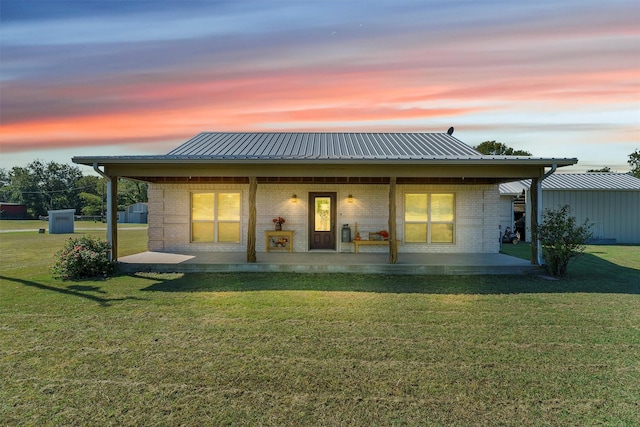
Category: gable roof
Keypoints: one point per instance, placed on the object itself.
(603, 181)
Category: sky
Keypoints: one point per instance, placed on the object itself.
(557, 78)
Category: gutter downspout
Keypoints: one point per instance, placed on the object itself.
(109, 213)
(539, 211)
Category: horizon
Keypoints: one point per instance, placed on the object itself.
(86, 78)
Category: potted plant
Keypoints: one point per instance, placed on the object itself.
(278, 221)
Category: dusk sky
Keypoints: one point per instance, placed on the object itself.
(123, 77)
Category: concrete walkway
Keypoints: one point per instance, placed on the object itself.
(328, 262)
(46, 228)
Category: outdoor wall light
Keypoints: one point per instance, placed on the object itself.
(350, 198)
(294, 199)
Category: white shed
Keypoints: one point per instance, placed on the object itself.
(61, 221)
(611, 201)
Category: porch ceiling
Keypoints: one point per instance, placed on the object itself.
(320, 180)
(469, 173)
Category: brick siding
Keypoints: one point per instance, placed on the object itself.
(477, 215)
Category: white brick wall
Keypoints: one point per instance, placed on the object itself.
(477, 215)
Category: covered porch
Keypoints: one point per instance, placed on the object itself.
(327, 262)
(263, 175)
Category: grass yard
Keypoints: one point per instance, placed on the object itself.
(292, 349)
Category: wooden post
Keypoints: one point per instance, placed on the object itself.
(393, 243)
(112, 215)
(251, 228)
(533, 199)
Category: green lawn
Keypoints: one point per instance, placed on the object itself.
(296, 349)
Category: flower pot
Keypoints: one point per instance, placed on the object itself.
(278, 226)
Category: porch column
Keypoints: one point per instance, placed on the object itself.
(251, 228)
(112, 215)
(535, 219)
(393, 243)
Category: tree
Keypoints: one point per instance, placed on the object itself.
(499, 149)
(604, 169)
(130, 192)
(92, 193)
(47, 186)
(92, 204)
(634, 161)
(562, 239)
(5, 182)
(44, 186)
(23, 189)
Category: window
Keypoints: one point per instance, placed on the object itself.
(429, 218)
(215, 217)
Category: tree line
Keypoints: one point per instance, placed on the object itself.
(48, 186)
(494, 148)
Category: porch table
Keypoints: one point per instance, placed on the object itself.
(283, 236)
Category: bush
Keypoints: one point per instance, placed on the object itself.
(561, 239)
(83, 257)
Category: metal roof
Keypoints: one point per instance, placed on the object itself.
(514, 188)
(591, 181)
(324, 147)
(578, 181)
(329, 146)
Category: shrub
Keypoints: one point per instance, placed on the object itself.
(561, 239)
(83, 257)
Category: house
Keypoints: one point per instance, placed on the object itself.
(134, 214)
(610, 201)
(221, 192)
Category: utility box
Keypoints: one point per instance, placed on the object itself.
(346, 233)
(61, 221)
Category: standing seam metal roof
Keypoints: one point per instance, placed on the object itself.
(578, 181)
(296, 145)
(591, 181)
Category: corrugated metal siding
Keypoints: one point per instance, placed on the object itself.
(311, 145)
(615, 214)
(505, 217)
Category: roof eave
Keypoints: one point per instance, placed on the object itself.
(165, 160)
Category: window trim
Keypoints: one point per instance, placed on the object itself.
(429, 222)
(215, 221)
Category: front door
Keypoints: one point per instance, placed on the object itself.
(322, 221)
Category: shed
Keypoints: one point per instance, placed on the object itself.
(134, 214)
(61, 221)
(611, 201)
(13, 211)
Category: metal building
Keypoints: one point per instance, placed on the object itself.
(134, 214)
(611, 201)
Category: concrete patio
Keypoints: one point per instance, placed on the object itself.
(327, 262)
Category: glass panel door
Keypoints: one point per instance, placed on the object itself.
(322, 218)
(322, 214)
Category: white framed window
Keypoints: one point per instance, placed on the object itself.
(429, 217)
(215, 217)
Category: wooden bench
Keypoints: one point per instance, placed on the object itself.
(371, 242)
